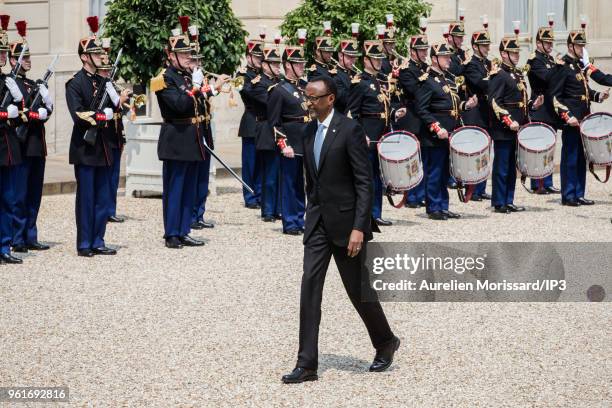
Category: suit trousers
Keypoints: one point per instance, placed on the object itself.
(318, 251)
(270, 165)
(6, 204)
(377, 184)
(92, 197)
(292, 193)
(573, 165)
(202, 181)
(504, 172)
(251, 171)
(179, 195)
(114, 179)
(435, 160)
(29, 177)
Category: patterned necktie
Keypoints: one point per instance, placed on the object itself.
(318, 143)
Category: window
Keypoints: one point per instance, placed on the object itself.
(538, 10)
(98, 8)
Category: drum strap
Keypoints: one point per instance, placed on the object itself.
(530, 191)
(608, 169)
(389, 194)
(469, 191)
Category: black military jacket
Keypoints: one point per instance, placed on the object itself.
(438, 102)
(261, 86)
(457, 62)
(319, 69)
(80, 91)
(507, 100)
(541, 68)
(410, 79)
(10, 150)
(343, 80)
(369, 105)
(476, 73)
(247, 122)
(288, 112)
(35, 144)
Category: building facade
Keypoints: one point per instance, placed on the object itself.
(55, 26)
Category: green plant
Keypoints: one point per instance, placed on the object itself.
(311, 13)
(142, 28)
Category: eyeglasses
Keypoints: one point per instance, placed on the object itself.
(315, 98)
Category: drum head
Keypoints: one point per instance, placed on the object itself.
(597, 125)
(538, 137)
(469, 140)
(398, 146)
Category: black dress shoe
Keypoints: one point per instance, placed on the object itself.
(173, 243)
(543, 191)
(20, 248)
(88, 253)
(452, 186)
(502, 209)
(253, 206)
(570, 203)
(293, 232)
(553, 190)
(411, 205)
(450, 214)
(188, 241)
(299, 375)
(476, 198)
(384, 356)
(205, 224)
(438, 216)
(585, 201)
(114, 218)
(268, 218)
(485, 196)
(104, 251)
(383, 223)
(515, 208)
(9, 259)
(37, 246)
(278, 217)
(196, 226)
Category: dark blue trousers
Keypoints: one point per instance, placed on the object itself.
(28, 186)
(548, 182)
(377, 184)
(114, 180)
(573, 165)
(435, 161)
(251, 171)
(178, 198)
(270, 192)
(292, 193)
(92, 198)
(6, 203)
(417, 194)
(504, 172)
(203, 177)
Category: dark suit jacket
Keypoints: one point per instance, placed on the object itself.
(340, 191)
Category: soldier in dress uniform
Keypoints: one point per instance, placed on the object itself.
(203, 168)
(29, 175)
(440, 107)
(323, 65)
(541, 66)
(182, 137)
(370, 106)
(509, 104)
(266, 144)
(10, 151)
(114, 132)
(409, 82)
(456, 34)
(288, 115)
(476, 72)
(251, 163)
(92, 162)
(348, 53)
(572, 97)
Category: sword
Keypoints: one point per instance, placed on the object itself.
(228, 168)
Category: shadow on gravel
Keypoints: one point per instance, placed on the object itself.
(344, 363)
(538, 209)
(229, 190)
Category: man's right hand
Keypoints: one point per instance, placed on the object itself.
(197, 77)
(573, 122)
(442, 134)
(288, 152)
(514, 126)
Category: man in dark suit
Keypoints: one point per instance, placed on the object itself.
(338, 223)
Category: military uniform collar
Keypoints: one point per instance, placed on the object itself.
(569, 58)
(322, 64)
(479, 58)
(87, 73)
(268, 76)
(432, 71)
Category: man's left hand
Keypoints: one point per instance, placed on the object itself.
(400, 113)
(355, 243)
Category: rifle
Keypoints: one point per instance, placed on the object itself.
(13, 74)
(23, 129)
(99, 100)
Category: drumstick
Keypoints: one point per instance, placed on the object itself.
(384, 141)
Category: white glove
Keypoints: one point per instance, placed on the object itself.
(42, 114)
(46, 96)
(112, 93)
(13, 111)
(13, 89)
(197, 77)
(109, 113)
(585, 57)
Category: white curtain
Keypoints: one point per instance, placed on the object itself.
(516, 10)
(559, 7)
(519, 10)
(98, 8)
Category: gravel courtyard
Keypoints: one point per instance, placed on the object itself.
(217, 326)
